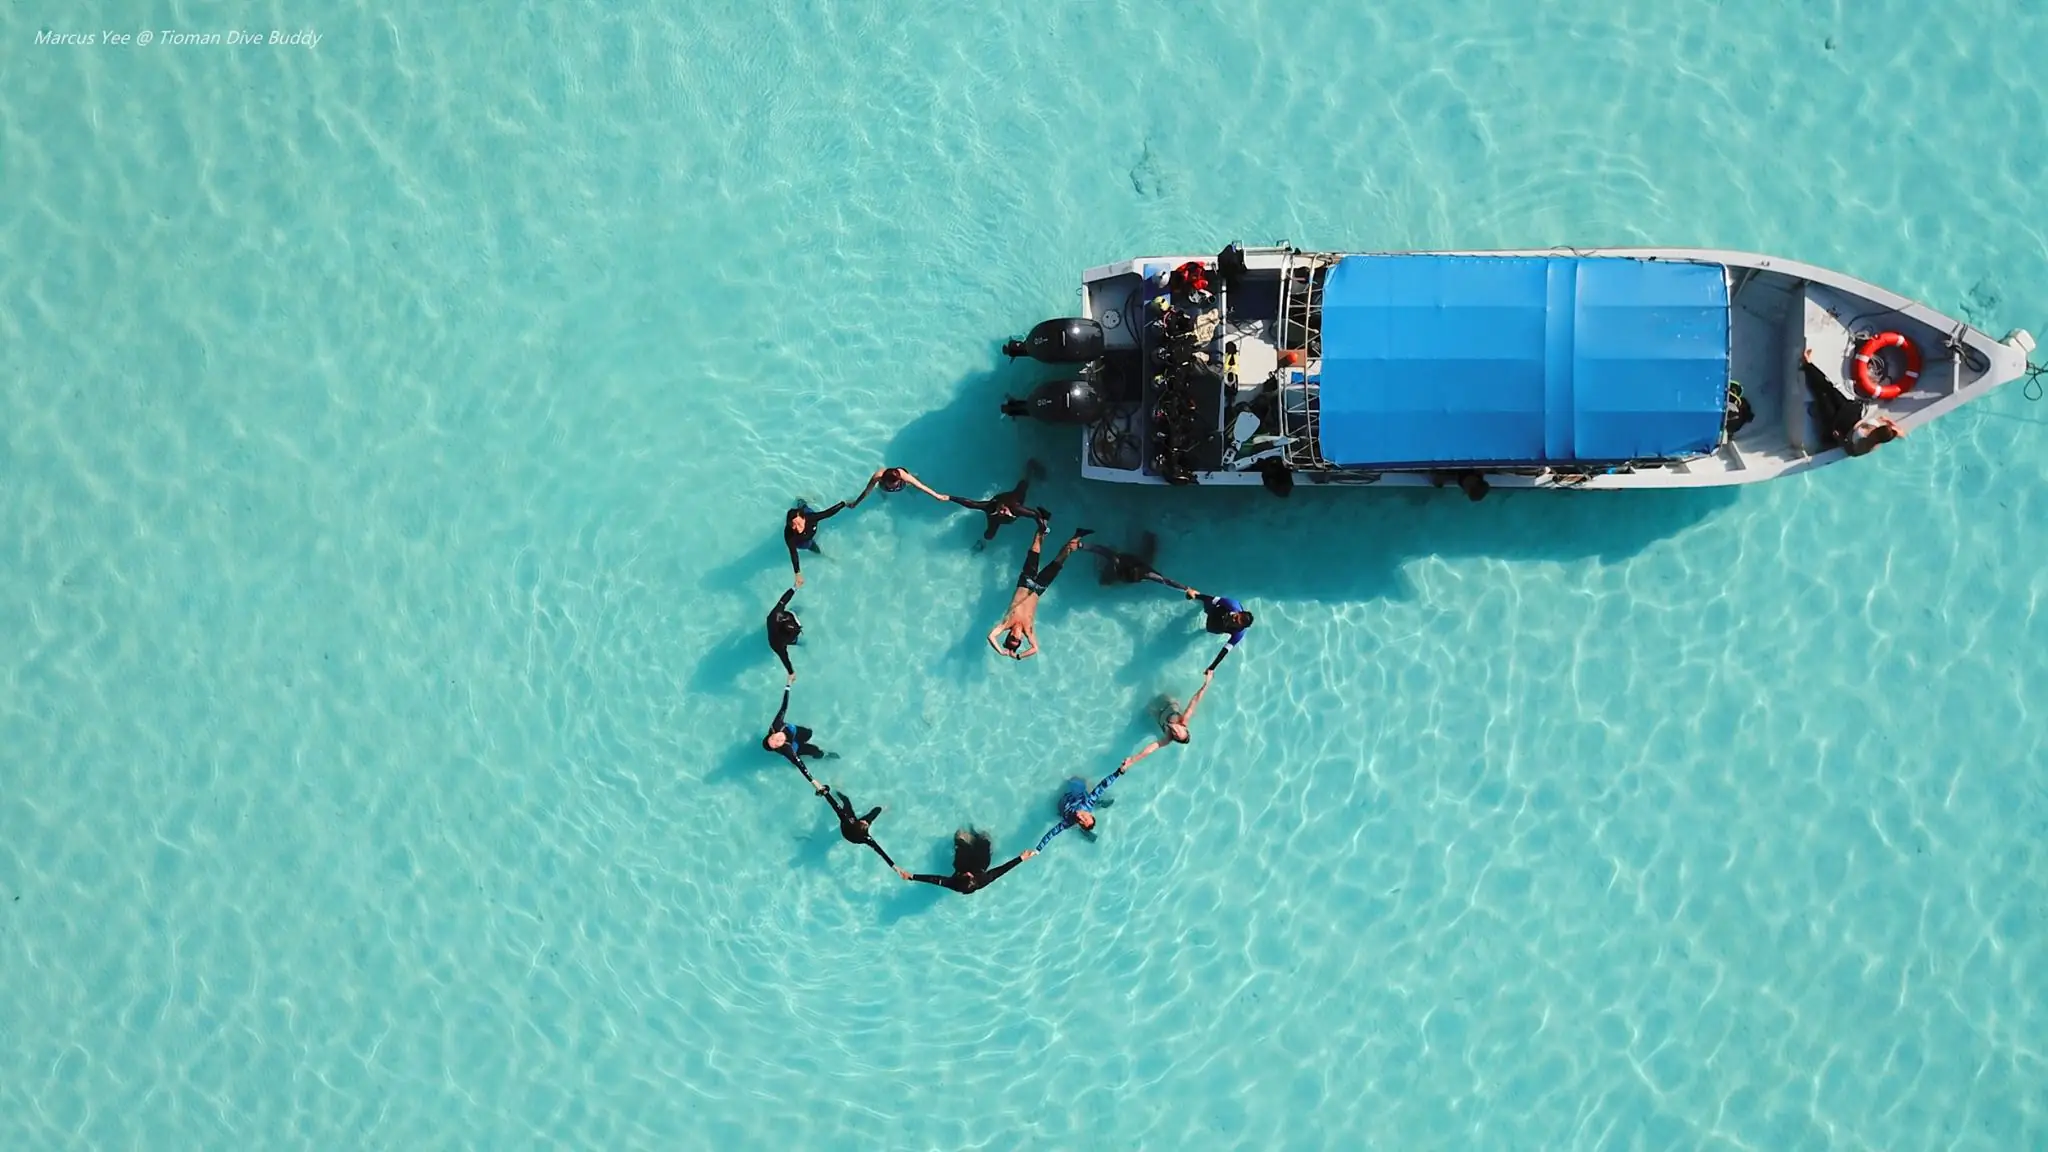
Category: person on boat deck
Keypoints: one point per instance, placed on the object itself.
(971, 871)
(1190, 281)
(1006, 507)
(1173, 723)
(1019, 625)
(800, 530)
(1131, 567)
(853, 829)
(792, 742)
(1841, 416)
(784, 629)
(1078, 803)
(894, 480)
(1223, 615)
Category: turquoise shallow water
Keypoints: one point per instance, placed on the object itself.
(395, 437)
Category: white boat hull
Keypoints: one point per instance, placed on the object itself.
(1777, 308)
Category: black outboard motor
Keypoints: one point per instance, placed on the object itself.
(1072, 340)
(1059, 402)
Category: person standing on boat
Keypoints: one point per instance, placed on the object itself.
(1078, 803)
(784, 629)
(894, 480)
(853, 829)
(792, 742)
(800, 530)
(1223, 615)
(1173, 723)
(971, 872)
(1841, 416)
(1019, 626)
(1006, 507)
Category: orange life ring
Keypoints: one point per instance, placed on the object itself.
(1891, 389)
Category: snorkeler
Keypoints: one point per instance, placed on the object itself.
(1222, 615)
(793, 741)
(1006, 507)
(854, 829)
(1020, 623)
(1131, 567)
(1173, 723)
(971, 856)
(784, 629)
(1077, 806)
(800, 530)
(894, 480)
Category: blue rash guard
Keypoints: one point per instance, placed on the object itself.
(1220, 607)
(1218, 621)
(1076, 799)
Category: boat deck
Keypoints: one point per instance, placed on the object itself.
(1776, 310)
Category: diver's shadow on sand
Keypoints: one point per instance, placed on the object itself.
(814, 848)
(1167, 645)
(755, 569)
(747, 763)
(719, 671)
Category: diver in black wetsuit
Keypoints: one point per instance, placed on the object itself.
(800, 530)
(784, 629)
(854, 829)
(971, 873)
(1131, 567)
(1006, 507)
(793, 741)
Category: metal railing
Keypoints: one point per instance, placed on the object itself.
(1299, 328)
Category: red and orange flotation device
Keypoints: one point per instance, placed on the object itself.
(1897, 382)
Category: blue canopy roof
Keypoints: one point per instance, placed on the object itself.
(1521, 360)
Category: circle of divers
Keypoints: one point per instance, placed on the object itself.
(1016, 637)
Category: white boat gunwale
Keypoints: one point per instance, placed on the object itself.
(1764, 450)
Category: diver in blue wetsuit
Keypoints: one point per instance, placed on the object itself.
(1223, 616)
(1078, 803)
(793, 741)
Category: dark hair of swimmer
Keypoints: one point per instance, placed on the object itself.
(892, 479)
(1240, 620)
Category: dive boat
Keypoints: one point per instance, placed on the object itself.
(1553, 368)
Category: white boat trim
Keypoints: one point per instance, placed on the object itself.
(1825, 306)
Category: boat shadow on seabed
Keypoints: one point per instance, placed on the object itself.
(1321, 543)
